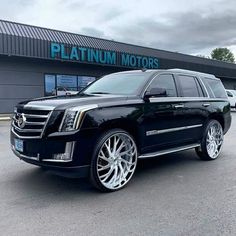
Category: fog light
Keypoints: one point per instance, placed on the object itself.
(62, 157)
(67, 155)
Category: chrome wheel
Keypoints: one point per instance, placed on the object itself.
(214, 140)
(117, 160)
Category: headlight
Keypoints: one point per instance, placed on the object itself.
(73, 117)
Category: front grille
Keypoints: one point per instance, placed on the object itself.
(30, 123)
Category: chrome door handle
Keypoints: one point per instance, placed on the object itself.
(179, 106)
(206, 104)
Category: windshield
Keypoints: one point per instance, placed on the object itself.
(120, 84)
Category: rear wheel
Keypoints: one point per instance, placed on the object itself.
(212, 141)
(114, 160)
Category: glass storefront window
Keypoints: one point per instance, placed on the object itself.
(84, 81)
(66, 83)
(50, 85)
(58, 84)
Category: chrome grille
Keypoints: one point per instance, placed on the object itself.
(29, 123)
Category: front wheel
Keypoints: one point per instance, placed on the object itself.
(114, 160)
(212, 141)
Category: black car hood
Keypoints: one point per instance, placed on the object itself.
(64, 102)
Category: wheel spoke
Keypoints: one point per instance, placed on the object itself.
(121, 146)
(103, 157)
(108, 148)
(107, 174)
(100, 167)
(113, 180)
(121, 177)
(124, 153)
(125, 161)
(116, 141)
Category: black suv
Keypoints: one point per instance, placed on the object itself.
(102, 131)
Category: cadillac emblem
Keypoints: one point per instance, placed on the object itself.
(21, 120)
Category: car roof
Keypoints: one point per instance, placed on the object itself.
(176, 70)
(193, 73)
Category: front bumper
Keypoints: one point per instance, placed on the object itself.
(66, 171)
(41, 151)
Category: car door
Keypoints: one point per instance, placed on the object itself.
(195, 106)
(162, 115)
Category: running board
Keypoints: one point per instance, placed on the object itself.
(167, 151)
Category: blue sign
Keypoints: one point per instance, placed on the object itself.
(89, 55)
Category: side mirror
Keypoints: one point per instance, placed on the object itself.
(155, 92)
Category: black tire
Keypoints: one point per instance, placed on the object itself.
(95, 179)
(202, 151)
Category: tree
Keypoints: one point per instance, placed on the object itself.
(223, 54)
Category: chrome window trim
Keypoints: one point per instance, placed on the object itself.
(185, 99)
(163, 131)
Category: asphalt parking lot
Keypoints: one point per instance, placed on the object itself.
(175, 194)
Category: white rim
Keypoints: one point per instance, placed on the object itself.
(214, 140)
(117, 160)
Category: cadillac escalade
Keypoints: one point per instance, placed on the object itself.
(102, 131)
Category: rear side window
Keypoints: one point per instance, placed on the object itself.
(165, 81)
(216, 87)
(189, 86)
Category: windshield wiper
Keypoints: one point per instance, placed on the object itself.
(99, 93)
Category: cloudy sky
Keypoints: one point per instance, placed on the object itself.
(192, 27)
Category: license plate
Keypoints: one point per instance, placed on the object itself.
(19, 146)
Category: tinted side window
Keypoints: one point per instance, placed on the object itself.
(217, 87)
(166, 82)
(188, 85)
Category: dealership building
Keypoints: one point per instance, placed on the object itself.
(37, 62)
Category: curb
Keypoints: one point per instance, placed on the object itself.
(5, 118)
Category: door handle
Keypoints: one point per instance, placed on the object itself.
(179, 106)
(206, 104)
